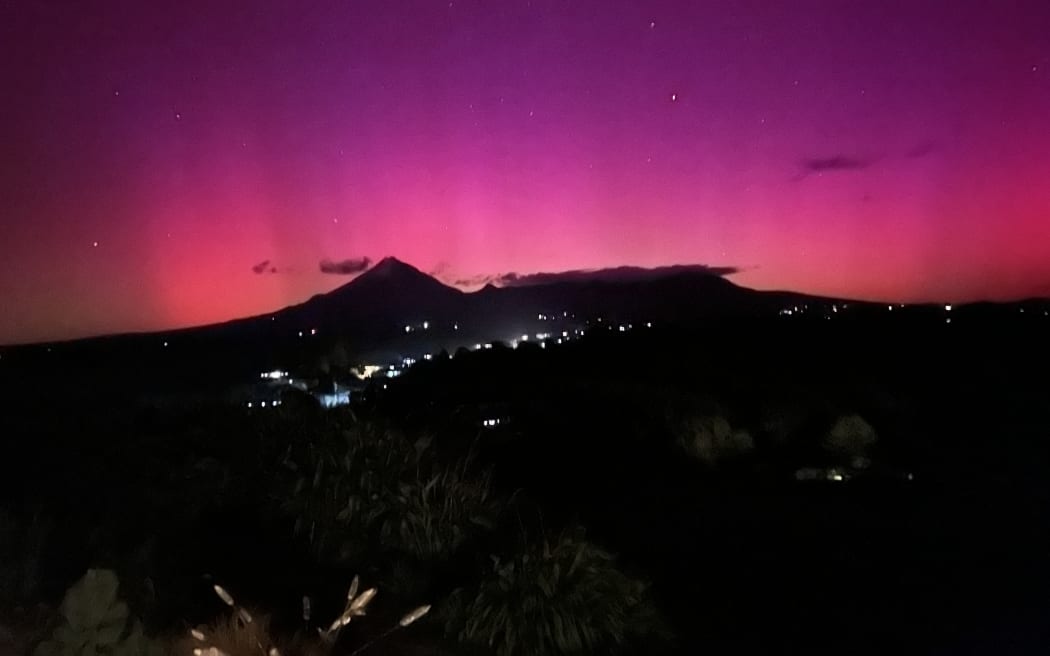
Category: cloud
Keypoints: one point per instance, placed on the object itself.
(345, 267)
(836, 163)
(616, 274)
(264, 267)
(439, 270)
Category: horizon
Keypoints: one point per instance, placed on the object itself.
(579, 276)
(190, 164)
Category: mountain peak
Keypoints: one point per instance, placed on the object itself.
(394, 276)
(390, 265)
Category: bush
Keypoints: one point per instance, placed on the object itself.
(564, 596)
(712, 439)
(369, 487)
(96, 622)
(851, 436)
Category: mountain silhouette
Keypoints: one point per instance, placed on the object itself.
(382, 299)
(394, 310)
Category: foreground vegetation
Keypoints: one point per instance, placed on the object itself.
(630, 502)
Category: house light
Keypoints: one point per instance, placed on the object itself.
(426, 325)
(648, 324)
(249, 404)
(488, 346)
(524, 338)
(263, 404)
(408, 329)
(300, 333)
(948, 307)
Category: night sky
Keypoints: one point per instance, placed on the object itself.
(176, 163)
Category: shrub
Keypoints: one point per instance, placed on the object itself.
(561, 596)
(369, 484)
(712, 439)
(850, 435)
(96, 622)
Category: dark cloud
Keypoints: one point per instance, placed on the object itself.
(836, 163)
(617, 274)
(345, 267)
(264, 267)
(481, 280)
(439, 270)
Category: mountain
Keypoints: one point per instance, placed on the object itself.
(620, 274)
(393, 310)
(383, 299)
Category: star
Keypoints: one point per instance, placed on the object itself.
(674, 97)
(94, 244)
(652, 24)
(178, 116)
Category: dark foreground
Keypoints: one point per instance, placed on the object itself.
(653, 480)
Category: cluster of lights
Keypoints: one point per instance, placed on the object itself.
(490, 423)
(367, 371)
(425, 325)
(276, 374)
(264, 404)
